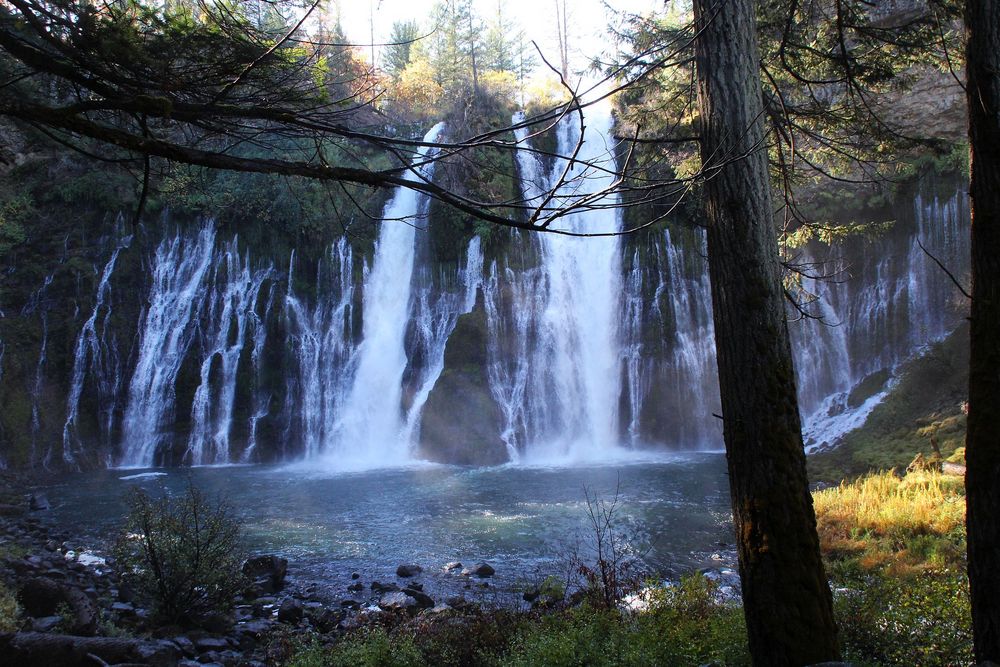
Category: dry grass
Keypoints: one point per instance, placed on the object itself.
(905, 525)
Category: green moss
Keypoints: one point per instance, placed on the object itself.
(926, 403)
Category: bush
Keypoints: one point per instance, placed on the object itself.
(610, 560)
(10, 611)
(921, 620)
(181, 555)
(686, 625)
(371, 648)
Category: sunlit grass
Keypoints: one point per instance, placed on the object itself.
(905, 525)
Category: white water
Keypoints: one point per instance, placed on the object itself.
(556, 373)
(89, 356)
(595, 351)
(369, 430)
(167, 328)
(227, 323)
(436, 314)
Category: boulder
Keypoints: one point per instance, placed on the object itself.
(206, 644)
(409, 570)
(454, 565)
(40, 596)
(423, 600)
(397, 600)
(379, 587)
(37, 502)
(267, 572)
(479, 570)
(290, 611)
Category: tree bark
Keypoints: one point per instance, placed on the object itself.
(786, 597)
(982, 445)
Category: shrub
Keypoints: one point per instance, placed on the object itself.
(181, 555)
(371, 648)
(920, 620)
(610, 560)
(10, 611)
(686, 625)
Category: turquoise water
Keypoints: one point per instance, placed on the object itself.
(525, 521)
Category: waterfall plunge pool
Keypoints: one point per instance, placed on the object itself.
(525, 521)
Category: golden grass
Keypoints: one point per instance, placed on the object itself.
(886, 521)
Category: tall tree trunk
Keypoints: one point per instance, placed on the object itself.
(786, 597)
(982, 444)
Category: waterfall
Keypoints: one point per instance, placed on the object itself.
(90, 354)
(891, 304)
(322, 343)
(559, 394)
(261, 398)
(592, 346)
(436, 313)
(36, 394)
(167, 328)
(370, 429)
(225, 325)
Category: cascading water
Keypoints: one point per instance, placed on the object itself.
(261, 398)
(226, 324)
(92, 355)
(167, 328)
(436, 311)
(589, 344)
(323, 344)
(560, 395)
(896, 301)
(369, 430)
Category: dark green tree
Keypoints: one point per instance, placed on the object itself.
(399, 51)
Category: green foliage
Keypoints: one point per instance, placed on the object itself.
(10, 611)
(181, 554)
(685, 625)
(399, 51)
(14, 212)
(922, 620)
(903, 424)
(372, 647)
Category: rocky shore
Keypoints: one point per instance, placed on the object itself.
(74, 609)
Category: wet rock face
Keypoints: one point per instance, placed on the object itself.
(461, 422)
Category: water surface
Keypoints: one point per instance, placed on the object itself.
(525, 521)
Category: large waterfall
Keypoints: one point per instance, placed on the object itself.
(559, 386)
(368, 431)
(546, 348)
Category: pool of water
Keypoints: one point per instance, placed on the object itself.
(525, 521)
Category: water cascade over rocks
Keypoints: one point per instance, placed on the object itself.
(543, 349)
(558, 381)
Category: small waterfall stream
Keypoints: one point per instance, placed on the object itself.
(92, 355)
(167, 329)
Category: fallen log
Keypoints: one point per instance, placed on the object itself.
(51, 650)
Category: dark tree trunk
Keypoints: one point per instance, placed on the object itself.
(786, 597)
(982, 445)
